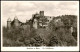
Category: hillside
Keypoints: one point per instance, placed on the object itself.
(58, 33)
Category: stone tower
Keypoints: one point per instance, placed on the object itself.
(9, 23)
(16, 22)
(41, 13)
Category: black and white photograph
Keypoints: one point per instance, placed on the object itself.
(40, 24)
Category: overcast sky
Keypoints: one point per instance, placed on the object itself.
(24, 9)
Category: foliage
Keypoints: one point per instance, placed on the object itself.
(62, 30)
(58, 34)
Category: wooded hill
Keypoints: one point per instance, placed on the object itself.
(57, 34)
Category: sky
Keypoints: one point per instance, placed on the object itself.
(24, 9)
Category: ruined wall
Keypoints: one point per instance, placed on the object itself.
(35, 24)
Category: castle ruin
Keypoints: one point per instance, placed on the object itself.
(38, 20)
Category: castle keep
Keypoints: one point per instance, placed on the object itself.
(38, 20)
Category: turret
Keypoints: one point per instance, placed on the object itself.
(9, 23)
(16, 22)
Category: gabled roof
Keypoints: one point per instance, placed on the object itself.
(12, 23)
